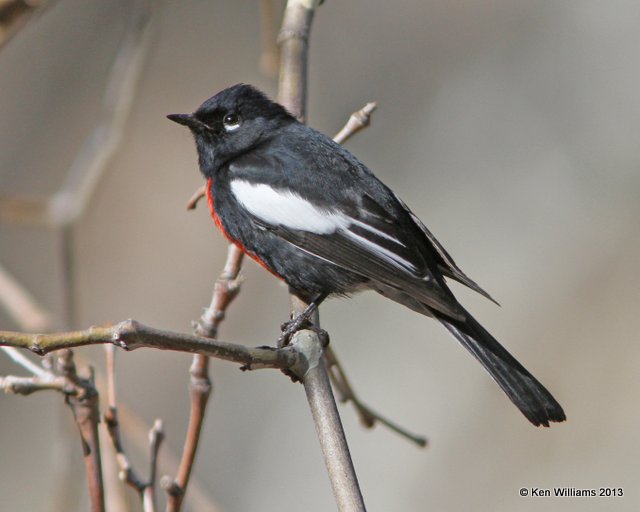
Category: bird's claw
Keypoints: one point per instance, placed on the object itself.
(293, 326)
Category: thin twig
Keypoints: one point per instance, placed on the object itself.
(368, 417)
(138, 431)
(144, 489)
(195, 198)
(81, 396)
(225, 291)
(127, 473)
(358, 121)
(156, 436)
(20, 359)
(200, 387)
(86, 411)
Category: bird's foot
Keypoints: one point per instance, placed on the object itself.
(298, 324)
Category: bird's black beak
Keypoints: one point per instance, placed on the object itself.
(187, 120)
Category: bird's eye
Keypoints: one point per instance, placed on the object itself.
(231, 122)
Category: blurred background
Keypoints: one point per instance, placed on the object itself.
(511, 128)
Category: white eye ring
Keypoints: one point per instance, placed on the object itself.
(231, 122)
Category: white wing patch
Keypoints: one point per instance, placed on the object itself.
(287, 209)
(284, 208)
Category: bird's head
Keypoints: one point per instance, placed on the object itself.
(232, 122)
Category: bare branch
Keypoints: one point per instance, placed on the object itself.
(156, 436)
(200, 387)
(131, 335)
(81, 396)
(269, 58)
(195, 198)
(294, 46)
(327, 422)
(368, 417)
(20, 359)
(225, 291)
(86, 411)
(20, 304)
(145, 490)
(28, 385)
(127, 473)
(293, 40)
(358, 121)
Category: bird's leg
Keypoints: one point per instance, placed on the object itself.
(302, 321)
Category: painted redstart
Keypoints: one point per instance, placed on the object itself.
(311, 213)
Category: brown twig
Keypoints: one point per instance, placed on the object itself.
(200, 388)
(83, 401)
(225, 291)
(81, 396)
(269, 58)
(358, 121)
(368, 417)
(195, 198)
(145, 490)
(138, 431)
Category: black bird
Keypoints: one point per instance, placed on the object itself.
(312, 214)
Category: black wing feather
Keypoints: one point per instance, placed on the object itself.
(340, 250)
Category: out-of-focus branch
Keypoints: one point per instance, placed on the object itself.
(368, 417)
(269, 58)
(294, 48)
(20, 305)
(195, 198)
(145, 490)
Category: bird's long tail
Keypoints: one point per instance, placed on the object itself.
(522, 388)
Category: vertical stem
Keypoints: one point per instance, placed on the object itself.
(294, 47)
(225, 291)
(332, 439)
(86, 411)
(68, 277)
(87, 414)
(292, 93)
(200, 387)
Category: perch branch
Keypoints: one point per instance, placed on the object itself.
(292, 93)
(131, 335)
